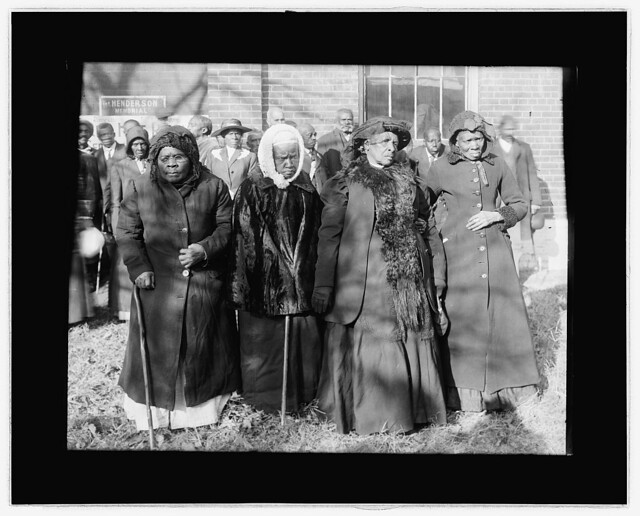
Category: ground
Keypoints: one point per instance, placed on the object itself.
(96, 420)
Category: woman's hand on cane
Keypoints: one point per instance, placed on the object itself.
(146, 280)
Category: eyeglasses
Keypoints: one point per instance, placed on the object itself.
(179, 158)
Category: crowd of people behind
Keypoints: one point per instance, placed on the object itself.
(353, 269)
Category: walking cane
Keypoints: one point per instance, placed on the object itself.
(285, 361)
(143, 353)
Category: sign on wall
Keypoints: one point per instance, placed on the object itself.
(131, 105)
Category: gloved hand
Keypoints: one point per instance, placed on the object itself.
(321, 299)
(442, 323)
(146, 280)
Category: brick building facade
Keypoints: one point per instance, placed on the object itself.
(312, 93)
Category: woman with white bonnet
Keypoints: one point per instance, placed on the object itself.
(276, 216)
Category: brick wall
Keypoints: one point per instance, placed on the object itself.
(533, 95)
(310, 93)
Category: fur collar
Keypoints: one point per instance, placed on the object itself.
(394, 190)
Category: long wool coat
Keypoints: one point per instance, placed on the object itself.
(331, 146)
(489, 346)
(186, 311)
(274, 246)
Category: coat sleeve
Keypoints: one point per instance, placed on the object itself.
(515, 206)
(334, 196)
(130, 235)
(433, 188)
(217, 243)
(534, 183)
(115, 180)
(432, 237)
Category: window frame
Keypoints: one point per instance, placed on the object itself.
(471, 94)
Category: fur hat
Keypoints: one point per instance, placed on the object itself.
(470, 121)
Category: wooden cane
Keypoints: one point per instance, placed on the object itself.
(285, 361)
(143, 353)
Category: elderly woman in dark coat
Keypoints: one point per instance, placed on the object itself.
(173, 233)
(121, 174)
(276, 215)
(380, 267)
(489, 357)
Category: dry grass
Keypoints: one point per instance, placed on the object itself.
(96, 420)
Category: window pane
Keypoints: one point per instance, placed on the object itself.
(403, 71)
(402, 99)
(428, 105)
(453, 71)
(429, 71)
(452, 102)
(377, 103)
(376, 71)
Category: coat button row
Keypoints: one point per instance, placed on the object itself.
(476, 192)
(482, 235)
(483, 276)
(183, 230)
(479, 205)
(482, 248)
(475, 180)
(186, 273)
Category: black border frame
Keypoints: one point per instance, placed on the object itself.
(47, 52)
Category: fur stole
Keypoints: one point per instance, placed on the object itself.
(393, 190)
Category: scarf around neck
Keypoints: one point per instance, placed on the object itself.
(393, 192)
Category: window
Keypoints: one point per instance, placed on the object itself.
(423, 95)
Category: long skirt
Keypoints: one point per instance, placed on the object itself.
(261, 360)
(371, 380)
(207, 413)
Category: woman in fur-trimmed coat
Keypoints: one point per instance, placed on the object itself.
(379, 271)
(276, 215)
(488, 358)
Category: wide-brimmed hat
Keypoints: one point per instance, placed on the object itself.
(383, 124)
(231, 123)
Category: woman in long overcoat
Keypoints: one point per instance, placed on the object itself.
(121, 174)
(488, 357)
(276, 215)
(379, 271)
(173, 233)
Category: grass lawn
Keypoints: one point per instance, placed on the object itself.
(96, 420)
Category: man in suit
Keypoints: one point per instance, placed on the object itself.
(424, 157)
(200, 126)
(519, 157)
(313, 162)
(85, 131)
(332, 144)
(231, 163)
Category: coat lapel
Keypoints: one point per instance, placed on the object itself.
(233, 157)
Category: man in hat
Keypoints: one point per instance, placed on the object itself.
(85, 132)
(519, 157)
(313, 162)
(331, 145)
(276, 215)
(380, 269)
(201, 127)
(231, 163)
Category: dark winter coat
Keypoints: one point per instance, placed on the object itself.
(348, 220)
(331, 146)
(156, 221)
(273, 251)
(489, 343)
